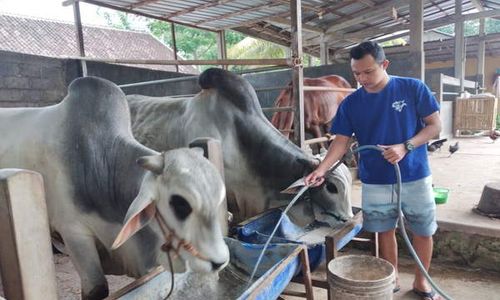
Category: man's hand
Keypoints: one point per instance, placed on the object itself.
(315, 178)
(394, 153)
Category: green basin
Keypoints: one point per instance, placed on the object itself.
(441, 195)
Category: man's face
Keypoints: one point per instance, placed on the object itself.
(370, 74)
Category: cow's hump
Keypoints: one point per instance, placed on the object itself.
(233, 87)
(94, 98)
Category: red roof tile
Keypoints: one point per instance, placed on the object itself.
(58, 39)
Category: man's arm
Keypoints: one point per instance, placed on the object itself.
(335, 152)
(395, 153)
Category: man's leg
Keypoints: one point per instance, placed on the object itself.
(423, 246)
(389, 249)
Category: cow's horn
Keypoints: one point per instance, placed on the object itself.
(153, 163)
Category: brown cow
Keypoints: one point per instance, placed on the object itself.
(319, 106)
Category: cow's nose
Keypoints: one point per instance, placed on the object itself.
(216, 266)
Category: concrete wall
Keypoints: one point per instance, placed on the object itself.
(28, 80)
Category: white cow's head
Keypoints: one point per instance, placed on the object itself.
(185, 189)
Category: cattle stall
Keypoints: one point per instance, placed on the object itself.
(295, 62)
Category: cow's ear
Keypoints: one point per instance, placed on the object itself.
(140, 213)
(153, 163)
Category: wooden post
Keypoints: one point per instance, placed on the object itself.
(221, 46)
(417, 55)
(79, 38)
(26, 261)
(323, 52)
(213, 151)
(459, 46)
(174, 44)
(297, 72)
(480, 55)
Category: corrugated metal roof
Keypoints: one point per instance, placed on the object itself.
(58, 39)
(341, 22)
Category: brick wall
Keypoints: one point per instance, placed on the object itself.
(27, 80)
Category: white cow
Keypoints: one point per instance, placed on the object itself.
(258, 161)
(85, 151)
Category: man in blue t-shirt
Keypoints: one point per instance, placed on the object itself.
(400, 115)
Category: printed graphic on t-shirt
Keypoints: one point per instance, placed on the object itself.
(398, 105)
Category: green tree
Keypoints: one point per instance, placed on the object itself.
(192, 43)
(472, 27)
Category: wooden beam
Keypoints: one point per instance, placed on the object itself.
(197, 8)
(141, 3)
(480, 55)
(161, 18)
(221, 46)
(417, 63)
(477, 4)
(240, 12)
(251, 62)
(297, 72)
(366, 14)
(459, 63)
(363, 34)
(26, 262)
(285, 21)
(254, 21)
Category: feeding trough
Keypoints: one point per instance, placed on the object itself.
(258, 229)
(275, 271)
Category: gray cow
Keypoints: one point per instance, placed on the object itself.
(85, 151)
(258, 161)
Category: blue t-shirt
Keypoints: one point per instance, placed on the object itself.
(391, 116)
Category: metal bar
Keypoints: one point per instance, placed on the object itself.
(79, 37)
(307, 89)
(331, 89)
(250, 62)
(319, 140)
(157, 81)
(273, 109)
(271, 88)
(174, 44)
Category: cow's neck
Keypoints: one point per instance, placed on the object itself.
(276, 160)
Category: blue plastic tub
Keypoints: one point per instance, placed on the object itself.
(258, 229)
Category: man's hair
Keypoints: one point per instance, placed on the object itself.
(370, 48)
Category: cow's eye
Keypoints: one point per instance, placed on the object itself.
(181, 207)
(331, 188)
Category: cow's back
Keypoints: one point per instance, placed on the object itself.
(178, 121)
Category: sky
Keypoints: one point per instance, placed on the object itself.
(53, 10)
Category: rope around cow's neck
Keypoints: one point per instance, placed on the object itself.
(170, 236)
